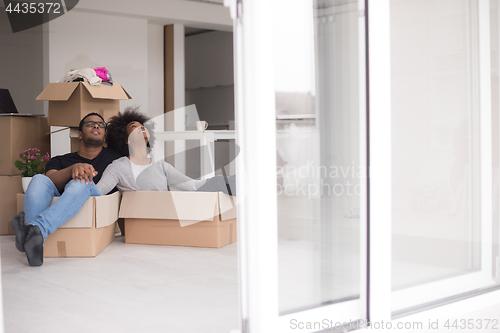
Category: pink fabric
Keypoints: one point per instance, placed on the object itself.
(102, 72)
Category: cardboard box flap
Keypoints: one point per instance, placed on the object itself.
(106, 209)
(81, 219)
(194, 207)
(128, 95)
(107, 92)
(227, 207)
(173, 205)
(60, 91)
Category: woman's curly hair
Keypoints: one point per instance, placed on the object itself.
(116, 131)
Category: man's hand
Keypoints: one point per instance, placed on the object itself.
(83, 171)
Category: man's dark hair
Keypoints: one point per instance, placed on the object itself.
(116, 132)
(80, 126)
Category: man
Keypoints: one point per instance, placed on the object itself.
(74, 175)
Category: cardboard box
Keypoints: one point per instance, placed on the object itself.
(202, 219)
(69, 102)
(11, 186)
(87, 233)
(17, 133)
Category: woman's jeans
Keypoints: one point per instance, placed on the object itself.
(39, 195)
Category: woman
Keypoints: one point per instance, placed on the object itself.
(137, 171)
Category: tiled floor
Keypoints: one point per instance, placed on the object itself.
(126, 288)
(146, 288)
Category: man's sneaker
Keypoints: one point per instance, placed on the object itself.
(17, 223)
(33, 245)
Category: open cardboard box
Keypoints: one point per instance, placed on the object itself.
(69, 102)
(19, 132)
(87, 233)
(202, 219)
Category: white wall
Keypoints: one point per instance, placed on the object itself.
(155, 70)
(79, 40)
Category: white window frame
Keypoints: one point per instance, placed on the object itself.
(256, 131)
(256, 135)
(380, 156)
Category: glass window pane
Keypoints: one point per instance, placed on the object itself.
(438, 244)
(317, 128)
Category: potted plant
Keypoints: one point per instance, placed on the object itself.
(30, 165)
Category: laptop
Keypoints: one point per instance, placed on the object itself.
(6, 102)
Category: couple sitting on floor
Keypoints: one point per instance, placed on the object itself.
(95, 170)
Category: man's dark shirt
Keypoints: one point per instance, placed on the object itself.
(100, 162)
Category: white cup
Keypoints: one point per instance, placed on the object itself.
(201, 125)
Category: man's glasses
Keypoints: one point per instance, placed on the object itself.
(92, 124)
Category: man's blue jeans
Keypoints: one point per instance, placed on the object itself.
(39, 195)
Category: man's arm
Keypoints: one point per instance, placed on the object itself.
(79, 172)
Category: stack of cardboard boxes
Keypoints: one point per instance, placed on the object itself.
(69, 102)
(93, 228)
(18, 132)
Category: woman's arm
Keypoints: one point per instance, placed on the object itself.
(184, 183)
(109, 179)
(179, 180)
